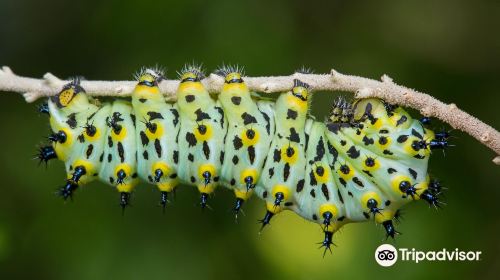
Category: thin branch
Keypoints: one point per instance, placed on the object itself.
(32, 89)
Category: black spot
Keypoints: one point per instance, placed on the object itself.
(110, 157)
(312, 179)
(268, 123)
(193, 179)
(248, 119)
(235, 159)
(340, 196)
(387, 202)
(277, 155)
(221, 113)
(294, 136)
(101, 157)
(413, 173)
(333, 152)
(190, 98)
(154, 116)
(333, 127)
(132, 117)
(383, 131)
(288, 203)
(387, 152)
(176, 157)
(206, 150)
(352, 152)
(237, 143)
(191, 139)
(81, 138)
(145, 155)
(216, 179)
(190, 157)
(416, 134)
(176, 116)
(367, 173)
(158, 147)
(340, 219)
(264, 194)
(370, 162)
(402, 138)
(391, 170)
(200, 115)
(382, 140)
(236, 100)
(111, 180)
(286, 171)
(110, 141)
(345, 169)
(350, 194)
(233, 182)
(90, 148)
(358, 182)
(324, 190)
(312, 193)
(271, 172)
(343, 142)
(72, 120)
(150, 178)
(300, 185)
(144, 138)
(401, 120)
(134, 175)
(121, 152)
(142, 100)
(320, 150)
(251, 154)
(315, 217)
(307, 141)
(291, 114)
(367, 216)
(367, 141)
(343, 182)
(418, 156)
(221, 157)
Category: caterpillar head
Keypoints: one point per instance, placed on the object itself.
(150, 77)
(191, 73)
(300, 90)
(232, 74)
(68, 93)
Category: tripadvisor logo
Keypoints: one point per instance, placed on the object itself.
(387, 255)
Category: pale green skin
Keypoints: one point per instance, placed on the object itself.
(303, 203)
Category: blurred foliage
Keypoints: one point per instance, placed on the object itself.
(448, 48)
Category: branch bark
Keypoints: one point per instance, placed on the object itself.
(386, 89)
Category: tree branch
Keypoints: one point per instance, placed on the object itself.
(32, 89)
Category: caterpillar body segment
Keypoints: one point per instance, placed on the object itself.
(366, 162)
(156, 130)
(119, 168)
(286, 160)
(250, 131)
(201, 141)
(77, 136)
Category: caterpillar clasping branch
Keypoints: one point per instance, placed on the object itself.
(386, 89)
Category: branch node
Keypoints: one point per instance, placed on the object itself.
(452, 106)
(496, 160)
(485, 137)
(52, 80)
(334, 74)
(30, 96)
(364, 93)
(386, 79)
(6, 70)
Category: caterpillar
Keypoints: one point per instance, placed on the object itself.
(363, 163)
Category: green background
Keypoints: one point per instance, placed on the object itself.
(450, 49)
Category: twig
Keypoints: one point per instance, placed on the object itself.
(32, 89)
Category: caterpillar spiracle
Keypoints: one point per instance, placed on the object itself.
(365, 162)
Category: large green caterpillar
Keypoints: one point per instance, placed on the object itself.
(364, 163)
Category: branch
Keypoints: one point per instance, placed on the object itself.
(32, 89)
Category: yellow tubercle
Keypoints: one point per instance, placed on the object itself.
(190, 87)
(158, 133)
(243, 194)
(167, 186)
(290, 153)
(370, 195)
(125, 167)
(121, 134)
(247, 141)
(324, 177)
(296, 103)
(206, 189)
(397, 180)
(128, 187)
(346, 176)
(203, 134)
(93, 138)
(384, 215)
(328, 208)
(165, 168)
